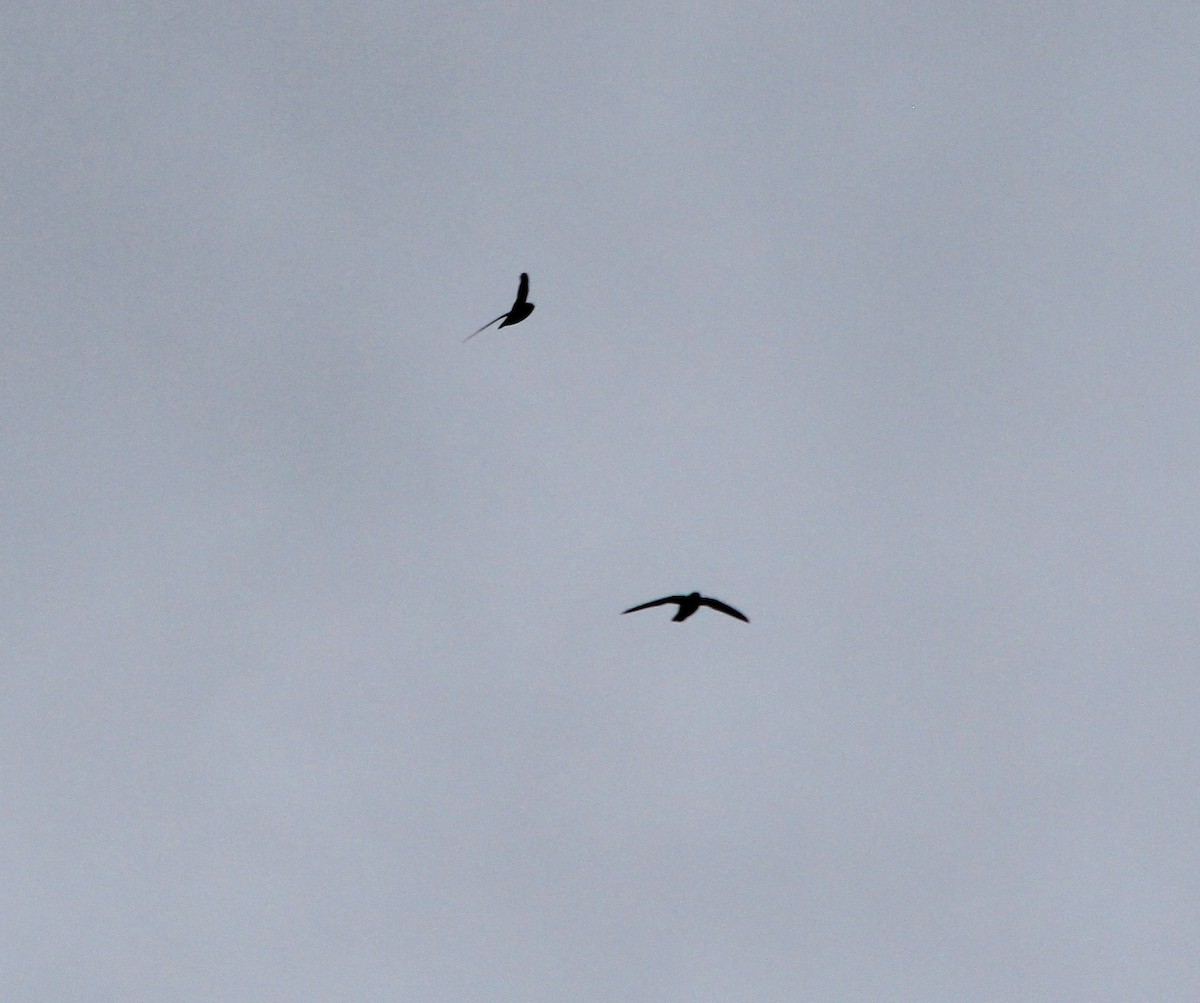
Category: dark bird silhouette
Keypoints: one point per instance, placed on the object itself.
(688, 605)
(521, 309)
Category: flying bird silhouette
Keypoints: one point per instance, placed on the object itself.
(688, 605)
(521, 309)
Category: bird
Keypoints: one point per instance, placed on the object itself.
(521, 308)
(688, 605)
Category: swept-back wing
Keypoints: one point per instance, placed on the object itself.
(656, 602)
(728, 610)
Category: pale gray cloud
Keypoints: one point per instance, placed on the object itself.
(877, 323)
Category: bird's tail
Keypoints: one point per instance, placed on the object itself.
(485, 327)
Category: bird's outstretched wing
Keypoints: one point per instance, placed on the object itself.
(522, 290)
(656, 602)
(485, 327)
(718, 605)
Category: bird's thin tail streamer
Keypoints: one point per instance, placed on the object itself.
(484, 328)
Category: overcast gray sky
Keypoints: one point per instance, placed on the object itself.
(875, 320)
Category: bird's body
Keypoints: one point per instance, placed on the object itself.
(688, 605)
(521, 308)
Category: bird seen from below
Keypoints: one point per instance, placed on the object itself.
(521, 308)
(688, 605)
